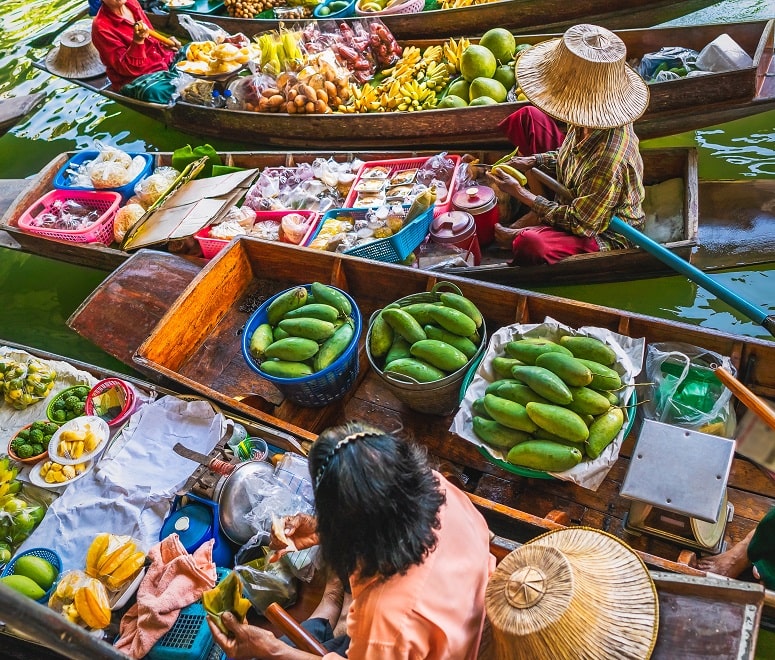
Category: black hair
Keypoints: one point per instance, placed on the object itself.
(377, 501)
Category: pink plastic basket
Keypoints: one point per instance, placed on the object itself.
(399, 165)
(407, 7)
(212, 246)
(106, 202)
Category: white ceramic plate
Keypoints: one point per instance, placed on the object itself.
(179, 4)
(39, 481)
(121, 598)
(98, 425)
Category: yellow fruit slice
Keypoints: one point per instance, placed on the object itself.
(96, 552)
(92, 605)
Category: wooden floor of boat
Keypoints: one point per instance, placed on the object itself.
(134, 288)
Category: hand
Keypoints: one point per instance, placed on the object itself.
(523, 163)
(244, 641)
(508, 184)
(299, 529)
(175, 43)
(141, 32)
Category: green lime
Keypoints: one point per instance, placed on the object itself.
(324, 11)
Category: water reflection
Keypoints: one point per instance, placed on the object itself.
(752, 155)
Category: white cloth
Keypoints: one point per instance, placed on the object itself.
(130, 490)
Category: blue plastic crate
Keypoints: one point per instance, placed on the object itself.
(190, 637)
(62, 180)
(322, 387)
(392, 249)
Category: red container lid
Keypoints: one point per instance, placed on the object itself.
(111, 399)
(452, 226)
(476, 199)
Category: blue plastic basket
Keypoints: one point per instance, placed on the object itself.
(190, 637)
(348, 11)
(392, 249)
(62, 181)
(44, 553)
(322, 387)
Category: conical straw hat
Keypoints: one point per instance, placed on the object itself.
(75, 56)
(583, 79)
(572, 593)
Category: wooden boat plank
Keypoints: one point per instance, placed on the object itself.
(14, 108)
(552, 15)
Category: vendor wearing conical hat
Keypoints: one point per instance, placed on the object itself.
(581, 79)
(121, 33)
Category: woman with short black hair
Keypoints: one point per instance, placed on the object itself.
(412, 547)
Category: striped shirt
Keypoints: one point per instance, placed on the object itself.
(605, 173)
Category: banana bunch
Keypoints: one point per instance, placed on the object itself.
(82, 600)
(455, 4)
(436, 76)
(365, 99)
(416, 96)
(114, 560)
(407, 66)
(453, 52)
(56, 473)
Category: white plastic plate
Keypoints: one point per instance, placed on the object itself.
(99, 427)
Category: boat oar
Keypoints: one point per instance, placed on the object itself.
(676, 263)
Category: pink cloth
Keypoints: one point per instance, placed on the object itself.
(174, 580)
(436, 610)
(533, 131)
(534, 246)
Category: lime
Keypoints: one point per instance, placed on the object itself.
(324, 11)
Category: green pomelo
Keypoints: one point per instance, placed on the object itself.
(452, 101)
(487, 87)
(24, 586)
(37, 569)
(483, 100)
(477, 62)
(504, 74)
(500, 42)
(459, 88)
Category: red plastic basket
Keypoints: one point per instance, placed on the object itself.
(106, 202)
(399, 165)
(212, 246)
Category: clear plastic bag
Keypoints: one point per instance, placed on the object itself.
(266, 583)
(201, 31)
(685, 391)
(150, 189)
(26, 383)
(82, 600)
(669, 57)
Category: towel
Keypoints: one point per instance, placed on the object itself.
(174, 580)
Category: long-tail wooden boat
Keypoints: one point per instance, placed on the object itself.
(14, 108)
(674, 106)
(660, 165)
(517, 15)
(196, 343)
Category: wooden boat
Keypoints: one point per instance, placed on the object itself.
(14, 108)
(196, 343)
(660, 165)
(674, 106)
(515, 15)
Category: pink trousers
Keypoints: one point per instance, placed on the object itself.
(545, 245)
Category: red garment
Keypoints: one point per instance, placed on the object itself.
(124, 59)
(534, 246)
(532, 131)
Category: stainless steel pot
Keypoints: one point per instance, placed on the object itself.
(232, 494)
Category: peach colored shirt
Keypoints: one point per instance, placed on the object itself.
(435, 610)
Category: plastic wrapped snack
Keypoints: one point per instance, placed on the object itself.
(81, 599)
(126, 217)
(113, 155)
(294, 226)
(227, 230)
(331, 234)
(151, 188)
(114, 560)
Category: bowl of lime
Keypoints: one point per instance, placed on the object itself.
(335, 9)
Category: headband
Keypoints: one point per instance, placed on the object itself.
(341, 443)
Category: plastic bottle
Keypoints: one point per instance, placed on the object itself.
(217, 100)
(229, 101)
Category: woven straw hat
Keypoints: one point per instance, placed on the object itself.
(583, 79)
(572, 593)
(75, 56)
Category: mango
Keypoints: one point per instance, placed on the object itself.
(40, 571)
(24, 585)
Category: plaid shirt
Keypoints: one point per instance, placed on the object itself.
(605, 173)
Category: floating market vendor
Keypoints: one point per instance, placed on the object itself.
(121, 33)
(411, 547)
(583, 80)
(756, 551)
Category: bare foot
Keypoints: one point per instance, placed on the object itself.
(730, 563)
(330, 606)
(341, 626)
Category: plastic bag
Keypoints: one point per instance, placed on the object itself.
(201, 31)
(125, 218)
(685, 391)
(294, 226)
(150, 189)
(81, 599)
(257, 93)
(26, 383)
(114, 559)
(667, 58)
(267, 583)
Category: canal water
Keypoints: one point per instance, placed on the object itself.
(37, 295)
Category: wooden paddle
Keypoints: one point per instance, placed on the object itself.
(676, 263)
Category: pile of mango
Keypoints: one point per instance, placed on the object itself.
(554, 403)
(305, 331)
(426, 341)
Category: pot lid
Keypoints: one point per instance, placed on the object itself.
(474, 198)
(237, 497)
(451, 226)
(193, 523)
